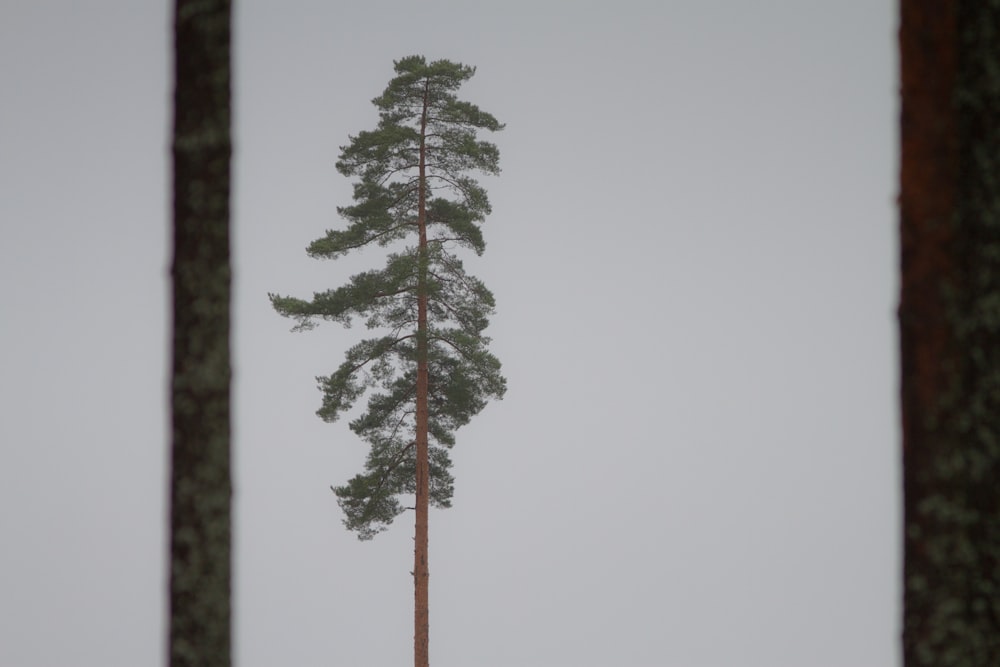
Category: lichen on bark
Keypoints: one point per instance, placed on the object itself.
(200, 482)
(950, 331)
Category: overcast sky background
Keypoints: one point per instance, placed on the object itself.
(693, 252)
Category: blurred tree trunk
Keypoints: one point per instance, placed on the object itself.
(200, 486)
(950, 331)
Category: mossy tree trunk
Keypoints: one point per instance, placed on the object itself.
(950, 331)
(200, 485)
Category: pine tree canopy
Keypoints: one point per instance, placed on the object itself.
(414, 194)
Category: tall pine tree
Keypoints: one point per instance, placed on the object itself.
(428, 370)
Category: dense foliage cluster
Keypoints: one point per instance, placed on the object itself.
(413, 190)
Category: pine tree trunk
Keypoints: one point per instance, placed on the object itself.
(200, 485)
(950, 331)
(421, 572)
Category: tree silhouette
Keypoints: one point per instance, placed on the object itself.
(430, 368)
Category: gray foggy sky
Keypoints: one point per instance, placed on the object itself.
(693, 252)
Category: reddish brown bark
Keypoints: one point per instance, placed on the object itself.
(928, 171)
(421, 572)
